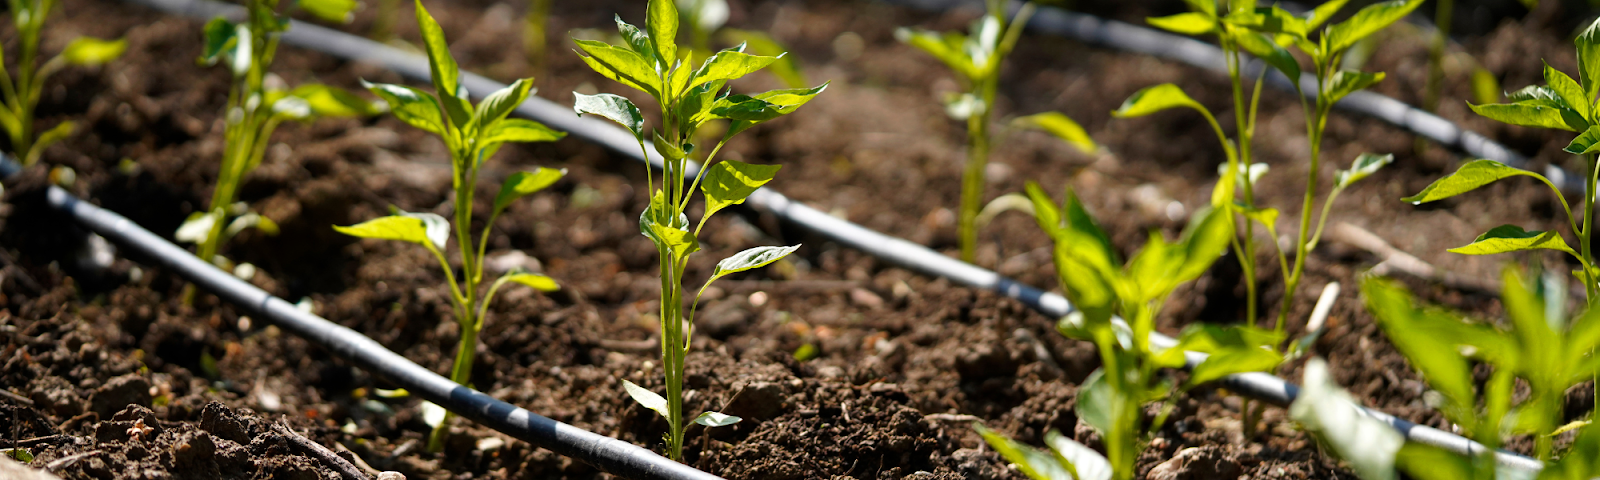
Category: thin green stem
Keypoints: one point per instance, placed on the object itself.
(1315, 124)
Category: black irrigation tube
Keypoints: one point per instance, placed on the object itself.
(554, 435)
(611, 455)
(1118, 35)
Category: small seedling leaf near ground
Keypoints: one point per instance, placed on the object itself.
(1063, 127)
(432, 414)
(1425, 338)
(405, 228)
(1095, 401)
(716, 419)
(522, 184)
(1037, 464)
(646, 398)
(93, 51)
(1366, 444)
(1084, 462)
(1512, 238)
(1154, 99)
(1469, 177)
(536, 281)
(751, 259)
(612, 107)
(18, 454)
(730, 182)
(1364, 166)
(410, 105)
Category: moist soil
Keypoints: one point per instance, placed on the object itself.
(115, 377)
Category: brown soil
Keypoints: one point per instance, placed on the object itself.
(905, 362)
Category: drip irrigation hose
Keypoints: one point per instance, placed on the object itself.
(896, 251)
(611, 455)
(1123, 36)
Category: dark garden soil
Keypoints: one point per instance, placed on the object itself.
(116, 378)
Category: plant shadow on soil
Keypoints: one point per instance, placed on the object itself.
(905, 362)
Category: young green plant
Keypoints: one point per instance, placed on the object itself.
(21, 93)
(1542, 349)
(976, 57)
(1112, 400)
(255, 109)
(472, 134)
(650, 61)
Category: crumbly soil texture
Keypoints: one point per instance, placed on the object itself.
(840, 365)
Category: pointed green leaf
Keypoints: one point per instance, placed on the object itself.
(535, 281)
(716, 419)
(394, 227)
(1203, 242)
(93, 51)
(730, 182)
(1585, 143)
(1096, 401)
(522, 184)
(728, 65)
(1364, 166)
(1469, 177)
(612, 107)
(751, 259)
(1369, 446)
(636, 40)
(1188, 23)
(1264, 216)
(778, 103)
(497, 105)
(1427, 339)
(1346, 82)
(1512, 238)
(1154, 99)
(220, 37)
(1269, 20)
(646, 398)
(415, 107)
(621, 64)
(662, 23)
(520, 130)
(55, 134)
(326, 101)
(441, 64)
(1037, 464)
(1270, 52)
(1323, 13)
(786, 68)
(330, 10)
(942, 47)
(1058, 124)
(1589, 60)
(1084, 462)
(1570, 92)
(1533, 115)
(1366, 22)
(1231, 361)
(197, 228)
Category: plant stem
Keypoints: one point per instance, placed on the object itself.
(1315, 123)
(1246, 250)
(460, 372)
(972, 181)
(1584, 238)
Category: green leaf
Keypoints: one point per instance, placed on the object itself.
(411, 227)
(1427, 462)
(751, 259)
(93, 51)
(1269, 20)
(1323, 13)
(1585, 143)
(197, 228)
(1369, 446)
(1037, 464)
(1270, 52)
(519, 130)
(1588, 44)
(18, 454)
(1570, 92)
(1188, 23)
(1485, 88)
(1469, 177)
(502, 102)
(249, 220)
(1533, 115)
(728, 65)
(662, 23)
(1364, 166)
(647, 398)
(1096, 401)
(1512, 238)
(330, 10)
(223, 41)
(612, 107)
(1154, 99)
(535, 281)
(522, 184)
(636, 40)
(1427, 339)
(1234, 360)
(326, 101)
(1058, 124)
(1084, 462)
(947, 48)
(786, 68)
(1203, 242)
(55, 134)
(730, 182)
(716, 419)
(1367, 21)
(778, 103)
(623, 65)
(415, 107)
(1346, 82)
(1085, 262)
(1265, 216)
(441, 65)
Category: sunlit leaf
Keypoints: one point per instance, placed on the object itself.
(522, 184)
(1533, 115)
(646, 398)
(93, 51)
(1154, 99)
(1366, 444)
(751, 259)
(662, 24)
(1512, 238)
(1058, 124)
(729, 182)
(405, 228)
(502, 102)
(415, 107)
(716, 419)
(1367, 21)
(330, 10)
(1037, 464)
(535, 281)
(1469, 177)
(1364, 166)
(1188, 23)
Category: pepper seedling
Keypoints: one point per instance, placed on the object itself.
(472, 133)
(255, 109)
(976, 57)
(1113, 398)
(21, 94)
(650, 61)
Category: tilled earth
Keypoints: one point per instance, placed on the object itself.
(116, 378)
